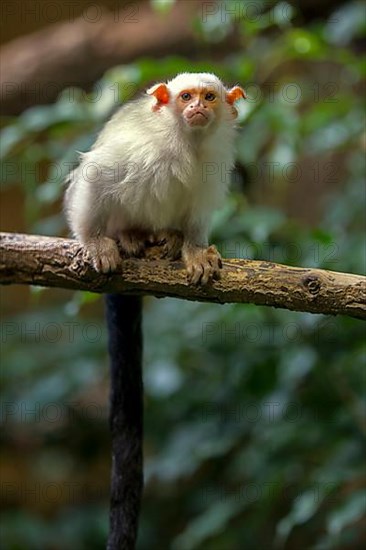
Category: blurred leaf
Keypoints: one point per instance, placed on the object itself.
(345, 23)
(213, 521)
(163, 6)
(352, 510)
(304, 508)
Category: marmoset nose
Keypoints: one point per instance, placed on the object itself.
(197, 105)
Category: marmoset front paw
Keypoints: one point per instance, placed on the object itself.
(103, 253)
(202, 264)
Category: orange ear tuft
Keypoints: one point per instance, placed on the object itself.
(235, 93)
(161, 92)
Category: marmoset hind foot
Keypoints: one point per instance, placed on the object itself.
(202, 264)
(132, 243)
(170, 241)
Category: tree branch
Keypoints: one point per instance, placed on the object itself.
(56, 262)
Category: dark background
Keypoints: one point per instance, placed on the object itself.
(254, 417)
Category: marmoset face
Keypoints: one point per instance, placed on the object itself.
(198, 99)
(198, 107)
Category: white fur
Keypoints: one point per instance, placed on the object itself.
(184, 81)
(147, 169)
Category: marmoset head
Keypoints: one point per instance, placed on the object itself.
(198, 98)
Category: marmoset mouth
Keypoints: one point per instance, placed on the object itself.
(194, 113)
(198, 118)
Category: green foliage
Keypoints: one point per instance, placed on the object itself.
(254, 417)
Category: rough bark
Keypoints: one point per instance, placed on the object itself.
(56, 262)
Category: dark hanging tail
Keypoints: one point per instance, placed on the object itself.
(124, 319)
